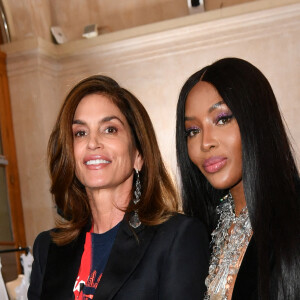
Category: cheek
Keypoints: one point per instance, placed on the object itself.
(125, 148)
(78, 154)
(76, 151)
(235, 145)
(131, 155)
(193, 151)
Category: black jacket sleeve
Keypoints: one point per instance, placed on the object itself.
(40, 253)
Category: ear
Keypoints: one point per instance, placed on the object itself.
(138, 162)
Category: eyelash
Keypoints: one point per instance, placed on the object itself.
(225, 118)
(115, 130)
(108, 130)
(80, 133)
(192, 131)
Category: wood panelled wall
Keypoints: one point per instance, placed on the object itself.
(10, 262)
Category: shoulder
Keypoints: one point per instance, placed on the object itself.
(181, 247)
(40, 253)
(181, 223)
(44, 237)
(182, 230)
(41, 245)
(43, 240)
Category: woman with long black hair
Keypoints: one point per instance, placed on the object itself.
(238, 175)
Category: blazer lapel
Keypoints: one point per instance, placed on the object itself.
(125, 255)
(62, 268)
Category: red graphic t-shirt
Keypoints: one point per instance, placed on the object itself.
(97, 248)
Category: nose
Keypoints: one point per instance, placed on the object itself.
(94, 141)
(209, 140)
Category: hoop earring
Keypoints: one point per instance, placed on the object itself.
(135, 220)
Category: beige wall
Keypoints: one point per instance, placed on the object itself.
(28, 18)
(153, 63)
(33, 18)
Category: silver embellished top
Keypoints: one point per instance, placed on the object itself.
(228, 249)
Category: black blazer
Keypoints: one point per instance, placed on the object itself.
(167, 261)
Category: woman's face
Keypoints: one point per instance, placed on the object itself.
(213, 137)
(104, 151)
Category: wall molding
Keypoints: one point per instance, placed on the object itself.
(36, 54)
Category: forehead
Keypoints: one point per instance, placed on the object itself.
(201, 98)
(98, 106)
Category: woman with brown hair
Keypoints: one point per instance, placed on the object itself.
(118, 236)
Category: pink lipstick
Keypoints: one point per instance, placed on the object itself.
(214, 164)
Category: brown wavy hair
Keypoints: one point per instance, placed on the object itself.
(159, 199)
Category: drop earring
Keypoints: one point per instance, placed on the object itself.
(135, 220)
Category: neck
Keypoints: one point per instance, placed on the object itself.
(108, 208)
(238, 196)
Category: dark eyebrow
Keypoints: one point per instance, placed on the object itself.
(216, 105)
(109, 118)
(212, 108)
(78, 122)
(105, 119)
(189, 118)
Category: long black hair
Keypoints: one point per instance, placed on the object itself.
(270, 176)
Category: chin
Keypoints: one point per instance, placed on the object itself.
(94, 184)
(220, 185)
(224, 184)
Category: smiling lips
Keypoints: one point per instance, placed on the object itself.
(96, 162)
(214, 164)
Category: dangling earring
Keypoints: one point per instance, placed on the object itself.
(135, 220)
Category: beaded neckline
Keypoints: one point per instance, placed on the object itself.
(227, 248)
